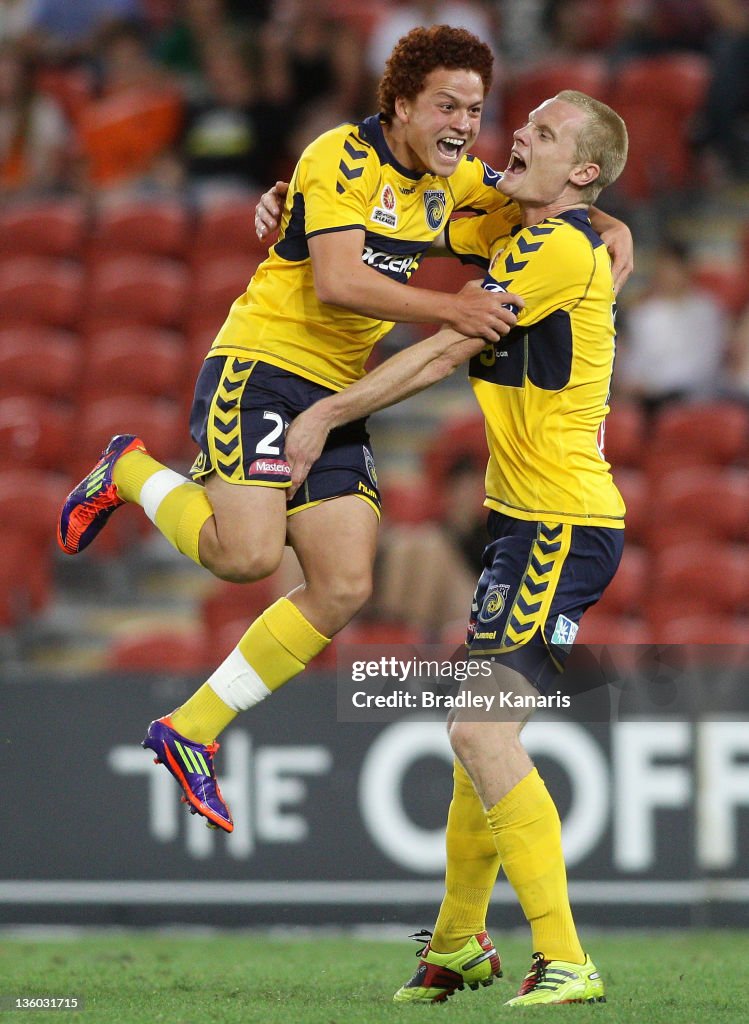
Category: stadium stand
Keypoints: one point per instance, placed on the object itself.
(35, 432)
(39, 360)
(650, 92)
(133, 359)
(26, 279)
(44, 228)
(137, 289)
(161, 228)
(161, 651)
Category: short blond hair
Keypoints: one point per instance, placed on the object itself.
(603, 141)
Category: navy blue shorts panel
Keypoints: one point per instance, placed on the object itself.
(239, 417)
(537, 580)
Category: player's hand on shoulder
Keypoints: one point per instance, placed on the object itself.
(269, 208)
(619, 242)
(484, 314)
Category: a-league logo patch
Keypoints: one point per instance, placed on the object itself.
(565, 632)
(434, 207)
(385, 213)
(494, 602)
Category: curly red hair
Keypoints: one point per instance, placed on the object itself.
(421, 51)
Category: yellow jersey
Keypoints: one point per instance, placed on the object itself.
(544, 387)
(347, 178)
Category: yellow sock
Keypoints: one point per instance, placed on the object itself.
(203, 716)
(279, 645)
(472, 867)
(528, 836)
(175, 505)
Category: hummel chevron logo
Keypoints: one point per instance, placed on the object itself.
(193, 759)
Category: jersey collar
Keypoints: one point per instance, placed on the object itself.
(371, 129)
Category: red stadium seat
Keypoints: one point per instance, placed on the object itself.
(409, 503)
(161, 228)
(463, 437)
(163, 651)
(38, 360)
(705, 629)
(200, 333)
(49, 228)
(700, 503)
(25, 580)
(138, 289)
(729, 285)
(526, 89)
(159, 422)
(381, 632)
(698, 578)
(35, 433)
(30, 501)
(227, 227)
(633, 487)
(693, 434)
(41, 290)
(445, 274)
(237, 603)
(362, 16)
(134, 360)
(649, 93)
(599, 627)
(624, 435)
(219, 281)
(626, 593)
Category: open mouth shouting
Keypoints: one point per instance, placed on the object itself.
(451, 147)
(516, 165)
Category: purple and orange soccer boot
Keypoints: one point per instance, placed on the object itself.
(439, 975)
(191, 764)
(89, 505)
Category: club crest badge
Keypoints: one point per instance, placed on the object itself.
(435, 202)
(494, 602)
(369, 462)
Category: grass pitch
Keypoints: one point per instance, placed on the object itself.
(145, 977)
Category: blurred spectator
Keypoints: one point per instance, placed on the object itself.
(427, 572)
(725, 121)
(403, 15)
(34, 135)
(521, 35)
(179, 37)
(652, 27)
(232, 137)
(16, 18)
(675, 338)
(311, 66)
(570, 26)
(134, 121)
(70, 29)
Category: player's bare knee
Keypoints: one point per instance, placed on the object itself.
(350, 592)
(245, 566)
(464, 738)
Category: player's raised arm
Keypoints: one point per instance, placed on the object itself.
(342, 279)
(403, 375)
(617, 238)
